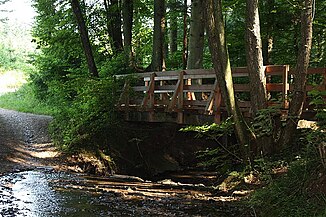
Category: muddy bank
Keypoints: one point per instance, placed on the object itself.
(148, 149)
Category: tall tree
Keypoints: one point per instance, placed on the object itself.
(196, 36)
(268, 39)
(173, 27)
(113, 15)
(84, 38)
(185, 35)
(158, 37)
(258, 97)
(127, 15)
(221, 62)
(300, 75)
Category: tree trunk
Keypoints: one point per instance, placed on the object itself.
(127, 15)
(173, 27)
(221, 62)
(258, 96)
(158, 37)
(268, 40)
(185, 35)
(113, 14)
(196, 37)
(84, 38)
(300, 77)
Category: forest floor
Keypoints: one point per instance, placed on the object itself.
(26, 150)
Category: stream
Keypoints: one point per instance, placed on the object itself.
(46, 192)
(33, 185)
(43, 192)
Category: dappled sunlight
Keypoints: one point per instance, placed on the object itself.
(152, 190)
(10, 81)
(32, 155)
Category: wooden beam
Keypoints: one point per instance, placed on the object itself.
(178, 89)
(149, 95)
(286, 86)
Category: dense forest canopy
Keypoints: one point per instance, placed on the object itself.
(87, 42)
(79, 45)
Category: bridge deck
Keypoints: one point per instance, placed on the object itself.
(193, 96)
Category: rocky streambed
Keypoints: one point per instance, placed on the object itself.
(33, 182)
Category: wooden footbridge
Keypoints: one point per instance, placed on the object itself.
(194, 97)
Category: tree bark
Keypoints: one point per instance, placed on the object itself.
(196, 37)
(300, 76)
(158, 37)
(84, 38)
(127, 15)
(113, 14)
(268, 40)
(221, 62)
(185, 35)
(258, 96)
(173, 29)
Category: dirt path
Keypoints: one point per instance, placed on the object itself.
(24, 141)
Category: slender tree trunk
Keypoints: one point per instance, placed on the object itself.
(127, 15)
(84, 38)
(196, 37)
(300, 76)
(113, 14)
(221, 62)
(173, 34)
(158, 37)
(258, 96)
(268, 40)
(185, 35)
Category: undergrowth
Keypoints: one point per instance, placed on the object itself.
(291, 183)
(301, 191)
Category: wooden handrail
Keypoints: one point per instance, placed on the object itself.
(169, 91)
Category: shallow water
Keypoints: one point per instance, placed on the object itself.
(45, 193)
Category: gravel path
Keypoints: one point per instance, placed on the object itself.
(24, 141)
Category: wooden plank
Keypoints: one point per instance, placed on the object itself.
(180, 99)
(211, 98)
(191, 76)
(176, 92)
(286, 87)
(124, 93)
(189, 103)
(239, 70)
(140, 88)
(217, 105)
(274, 87)
(149, 95)
(316, 71)
(199, 88)
(275, 69)
(311, 71)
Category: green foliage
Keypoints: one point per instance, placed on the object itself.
(318, 101)
(212, 131)
(89, 120)
(295, 192)
(263, 123)
(289, 195)
(221, 157)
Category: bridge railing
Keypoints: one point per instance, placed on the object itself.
(196, 92)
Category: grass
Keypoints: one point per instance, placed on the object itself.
(24, 100)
